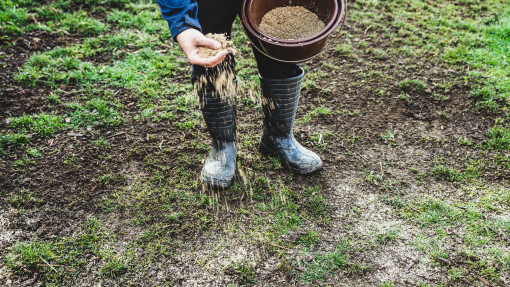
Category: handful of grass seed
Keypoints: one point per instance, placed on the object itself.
(222, 77)
(226, 44)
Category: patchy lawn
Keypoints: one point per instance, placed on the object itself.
(102, 142)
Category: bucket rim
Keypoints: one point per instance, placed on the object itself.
(294, 43)
(332, 23)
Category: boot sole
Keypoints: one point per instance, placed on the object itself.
(216, 184)
(269, 152)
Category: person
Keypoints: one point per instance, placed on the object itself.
(280, 83)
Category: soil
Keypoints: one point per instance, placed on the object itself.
(142, 153)
(291, 23)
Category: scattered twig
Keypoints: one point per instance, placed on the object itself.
(114, 135)
(447, 262)
(366, 30)
(48, 264)
(278, 246)
(51, 265)
(484, 281)
(299, 269)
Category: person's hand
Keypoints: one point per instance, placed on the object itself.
(191, 39)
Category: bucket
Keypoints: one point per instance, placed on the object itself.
(326, 11)
(292, 51)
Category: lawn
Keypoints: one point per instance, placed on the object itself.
(102, 142)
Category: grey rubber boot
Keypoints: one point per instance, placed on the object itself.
(280, 99)
(220, 118)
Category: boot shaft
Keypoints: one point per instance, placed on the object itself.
(219, 116)
(280, 98)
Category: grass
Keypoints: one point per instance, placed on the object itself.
(310, 238)
(96, 112)
(42, 124)
(412, 85)
(480, 236)
(244, 272)
(314, 113)
(114, 268)
(315, 202)
(12, 20)
(453, 175)
(324, 264)
(58, 260)
(120, 72)
(80, 23)
(10, 140)
(387, 236)
(498, 138)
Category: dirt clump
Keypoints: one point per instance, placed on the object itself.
(290, 23)
(226, 44)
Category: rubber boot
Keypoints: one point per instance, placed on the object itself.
(219, 115)
(280, 99)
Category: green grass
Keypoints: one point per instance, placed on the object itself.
(42, 124)
(325, 264)
(102, 143)
(122, 69)
(387, 236)
(310, 238)
(12, 140)
(475, 41)
(498, 138)
(147, 21)
(481, 238)
(314, 113)
(412, 85)
(60, 259)
(484, 46)
(344, 49)
(114, 268)
(315, 202)
(23, 200)
(243, 272)
(471, 171)
(12, 20)
(31, 255)
(80, 23)
(96, 112)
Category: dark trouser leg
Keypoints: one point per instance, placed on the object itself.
(215, 16)
(218, 109)
(281, 86)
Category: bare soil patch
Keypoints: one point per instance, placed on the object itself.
(374, 146)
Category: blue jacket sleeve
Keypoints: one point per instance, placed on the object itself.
(180, 15)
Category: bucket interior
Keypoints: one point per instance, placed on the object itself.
(324, 9)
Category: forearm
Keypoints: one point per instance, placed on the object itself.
(180, 15)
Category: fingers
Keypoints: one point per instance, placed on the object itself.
(208, 62)
(209, 43)
(190, 40)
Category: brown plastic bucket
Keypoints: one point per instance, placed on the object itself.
(293, 51)
(326, 10)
